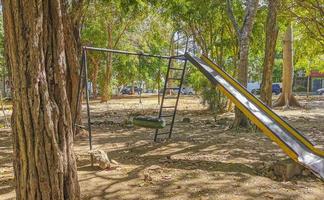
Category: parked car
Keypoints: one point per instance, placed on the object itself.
(128, 90)
(187, 91)
(320, 91)
(150, 91)
(173, 91)
(280, 85)
(276, 89)
(254, 88)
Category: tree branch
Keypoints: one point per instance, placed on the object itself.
(250, 12)
(198, 37)
(128, 24)
(232, 18)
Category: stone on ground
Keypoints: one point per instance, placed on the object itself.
(82, 134)
(186, 120)
(287, 169)
(101, 158)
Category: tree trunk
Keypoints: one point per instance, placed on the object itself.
(94, 82)
(106, 91)
(286, 98)
(243, 35)
(94, 74)
(44, 162)
(242, 72)
(72, 23)
(133, 87)
(269, 53)
(308, 79)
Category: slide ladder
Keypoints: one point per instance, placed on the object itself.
(169, 103)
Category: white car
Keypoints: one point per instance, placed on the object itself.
(320, 91)
(187, 91)
(254, 88)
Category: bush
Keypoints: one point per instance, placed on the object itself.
(214, 98)
(300, 89)
(211, 96)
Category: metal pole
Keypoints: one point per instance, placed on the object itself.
(308, 85)
(159, 82)
(308, 80)
(128, 52)
(139, 89)
(87, 100)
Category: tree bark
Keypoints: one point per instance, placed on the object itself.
(269, 52)
(94, 74)
(112, 28)
(71, 17)
(94, 81)
(73, 50)
(242, 73)
(243, 34)
(106, 89)
(287, 98)
(44, 162)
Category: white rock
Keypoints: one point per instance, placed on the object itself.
(101, 158)
(154, 167)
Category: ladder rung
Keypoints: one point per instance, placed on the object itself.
(173, 88)
(166, 116)
(176, 68)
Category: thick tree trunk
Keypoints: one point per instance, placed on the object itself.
(44, 161)
(71, 17)
(73, 49)
(287, 98)
(269, 52)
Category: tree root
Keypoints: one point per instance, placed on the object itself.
(286, 103)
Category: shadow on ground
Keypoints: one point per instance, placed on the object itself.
(203, 160)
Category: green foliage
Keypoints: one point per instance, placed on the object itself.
(148, 26)
(211, 96)
(136, 26)
(309, 53)
(209, 26)
(306, 17)
(300, 89)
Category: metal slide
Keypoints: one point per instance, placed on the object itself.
(293, 143)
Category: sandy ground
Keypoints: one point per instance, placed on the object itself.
(203, 160)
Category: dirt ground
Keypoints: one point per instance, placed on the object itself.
(203, 160)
